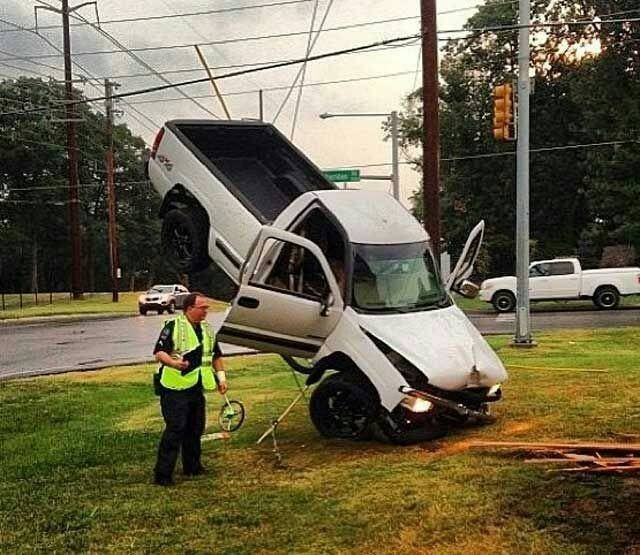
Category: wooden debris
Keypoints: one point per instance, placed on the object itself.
(589, 457)
(579, 447)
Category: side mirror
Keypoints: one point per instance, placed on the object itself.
(326, 302)
(468, 289)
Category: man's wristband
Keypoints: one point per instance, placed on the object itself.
(221, 377)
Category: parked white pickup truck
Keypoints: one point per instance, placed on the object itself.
(564, 279)
(345, 279)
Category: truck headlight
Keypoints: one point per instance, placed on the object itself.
(415, 404)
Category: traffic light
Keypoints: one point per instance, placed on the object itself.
(503, 120)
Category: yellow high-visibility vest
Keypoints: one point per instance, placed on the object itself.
(185, 340)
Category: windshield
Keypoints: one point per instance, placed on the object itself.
(161, 289)
(396, 278)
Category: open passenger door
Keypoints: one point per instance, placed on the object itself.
(288, 301)
(464, 268)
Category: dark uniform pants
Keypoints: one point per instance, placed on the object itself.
(184, 416)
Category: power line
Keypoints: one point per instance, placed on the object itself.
(245, 65)
(497, 154)
(284, 87)
(237, 73)
(144, 64)
(317, 57)
(226, 41)
(167, 16)
(87, 72)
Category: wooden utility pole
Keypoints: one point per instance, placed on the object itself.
(111, 192)
(72, 151)
(430, 125)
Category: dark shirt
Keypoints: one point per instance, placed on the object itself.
(165, 341)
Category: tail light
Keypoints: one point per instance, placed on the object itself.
(156, 143)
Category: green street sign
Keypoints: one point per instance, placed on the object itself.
(342, 176)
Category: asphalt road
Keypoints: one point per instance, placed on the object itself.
(53, 347)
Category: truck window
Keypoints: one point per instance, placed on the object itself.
(396, 278)
(561, 268)
(290, 268)
(539, 270)
(317, 227)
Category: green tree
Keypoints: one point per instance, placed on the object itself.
(34, 194)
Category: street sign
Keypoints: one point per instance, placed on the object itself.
(342, 176)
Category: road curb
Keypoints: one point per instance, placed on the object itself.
(103, 365)
(61, 319)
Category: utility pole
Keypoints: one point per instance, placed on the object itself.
(523, 330)
(72, 151)
(111, 191)
(430, 125)
(72, 147)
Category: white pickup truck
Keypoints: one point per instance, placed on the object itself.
(564, 279)
(344, 279)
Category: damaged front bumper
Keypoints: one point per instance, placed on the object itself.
(459, 409)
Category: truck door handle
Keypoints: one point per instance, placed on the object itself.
(248, 302)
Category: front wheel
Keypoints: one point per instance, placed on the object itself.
(143, 311)
(504, 301)
(171, 308)
(606, 298)
(340, 408)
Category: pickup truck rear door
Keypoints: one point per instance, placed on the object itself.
(288, 301)
(563, 281)
(554, 280)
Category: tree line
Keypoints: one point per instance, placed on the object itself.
(34, 196)
(586, 90)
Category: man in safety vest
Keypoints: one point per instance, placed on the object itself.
(187, 352)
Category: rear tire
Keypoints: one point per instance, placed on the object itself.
(606, 297)
(184, 239)
(341, 408)
(504, 301)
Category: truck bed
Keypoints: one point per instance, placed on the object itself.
(253, 161)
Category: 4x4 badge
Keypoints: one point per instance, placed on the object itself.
(168, 164)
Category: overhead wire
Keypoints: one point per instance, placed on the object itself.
(314, 58)
(303, 68)
(140, 61)
(87, 72)
(169, 16)
(286, 87)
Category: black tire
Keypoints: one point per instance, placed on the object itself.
(342, 408)
(184, 239)
(143, 311)
(171, 308)
(503, 301)
(606, 297)
(160, 311)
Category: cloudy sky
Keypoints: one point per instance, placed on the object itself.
(165, 45)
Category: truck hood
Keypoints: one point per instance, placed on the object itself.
(443, 344)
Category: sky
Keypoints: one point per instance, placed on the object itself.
(348, 142)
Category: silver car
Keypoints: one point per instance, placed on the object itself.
(161, 298)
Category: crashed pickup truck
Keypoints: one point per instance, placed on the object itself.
(343, 279)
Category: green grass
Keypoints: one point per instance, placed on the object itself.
(482, 306)
(60, 304)
(78, 449)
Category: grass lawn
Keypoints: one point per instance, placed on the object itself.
(62, 304)
(78, 449)
(478, 305)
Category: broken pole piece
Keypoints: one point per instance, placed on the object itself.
(626, 448)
